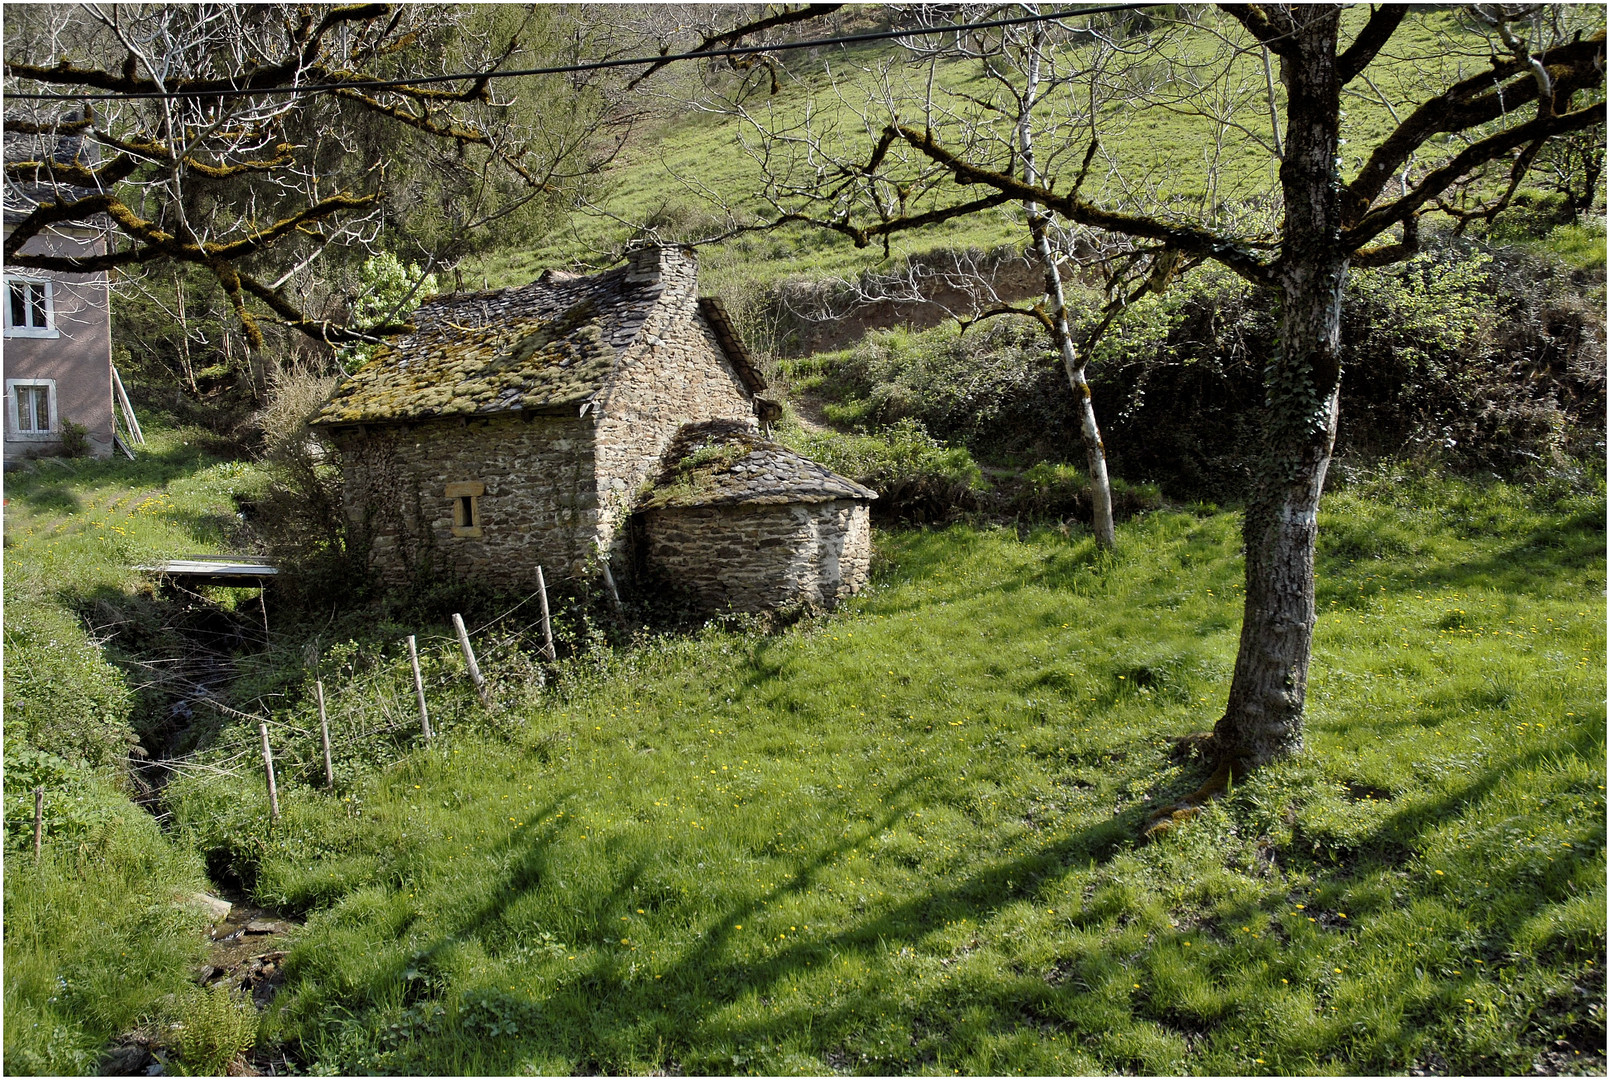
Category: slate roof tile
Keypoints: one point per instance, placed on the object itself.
(544, 345)
(722, 463)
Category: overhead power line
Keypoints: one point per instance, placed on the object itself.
(595, 65)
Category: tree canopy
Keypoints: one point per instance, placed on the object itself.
(243, 140)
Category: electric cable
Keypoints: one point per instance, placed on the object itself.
(568, 69)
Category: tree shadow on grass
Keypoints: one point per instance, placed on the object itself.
(45, 498)
(151, 468)
(629, 1012)
(1571, 544)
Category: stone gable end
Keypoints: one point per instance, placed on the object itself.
(676, 371)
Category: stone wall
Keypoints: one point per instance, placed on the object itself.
(932, 299)
(760, 557)
(675, 373)
(539, 505)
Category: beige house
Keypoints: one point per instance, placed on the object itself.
(58, 327)
(522, 427)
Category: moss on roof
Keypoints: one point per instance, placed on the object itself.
(525, 365)
(723, 463)
(545, 345)
(548, 344)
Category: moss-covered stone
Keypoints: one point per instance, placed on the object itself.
(720, 463)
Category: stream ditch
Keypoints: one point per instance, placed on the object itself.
(246, 943)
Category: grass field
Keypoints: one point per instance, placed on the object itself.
(95, 944)
(898, 840)
(903, 839)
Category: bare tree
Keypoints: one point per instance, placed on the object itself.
(171, 129)
(1482, 104)
(1050, 88)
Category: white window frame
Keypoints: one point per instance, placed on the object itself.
(49, 329)
(15, 420)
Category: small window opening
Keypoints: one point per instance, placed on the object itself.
(466, 498)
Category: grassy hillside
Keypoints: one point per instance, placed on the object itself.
(900, 839)
(903, 839)
(1185, 139)
(97, 939)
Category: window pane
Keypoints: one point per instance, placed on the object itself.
(36, 299)
(41, 404)
(19, 303)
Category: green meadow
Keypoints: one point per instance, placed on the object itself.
(903, 839)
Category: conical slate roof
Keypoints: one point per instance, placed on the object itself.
(722, 463)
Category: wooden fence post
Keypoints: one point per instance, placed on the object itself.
(419, 688)
(324, 737)
(268, 768)
(481, 688)
(39, 820)
(547, 627)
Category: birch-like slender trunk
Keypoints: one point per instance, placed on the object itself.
(1039, 221)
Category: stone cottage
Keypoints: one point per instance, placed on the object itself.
(517, 427)
(735, 521)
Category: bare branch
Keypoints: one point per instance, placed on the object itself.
(1377, 32)
(727, 39)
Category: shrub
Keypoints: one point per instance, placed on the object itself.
(215, 1027)
(1485, 359)
(74, 439)
(997, 390)
(61, 696)
(1481, 359)
(300, 520)
(917, 477)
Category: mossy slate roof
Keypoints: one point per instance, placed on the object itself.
(721, 464)
(541, 346)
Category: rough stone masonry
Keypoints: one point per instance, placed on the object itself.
(517, 428)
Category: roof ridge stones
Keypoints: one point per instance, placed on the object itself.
(724, 463)
(546, 346)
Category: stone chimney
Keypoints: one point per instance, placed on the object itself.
(663, 265)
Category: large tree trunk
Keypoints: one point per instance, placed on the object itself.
(1263, 719)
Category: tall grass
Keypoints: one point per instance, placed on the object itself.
(97, 938)
(903, 839)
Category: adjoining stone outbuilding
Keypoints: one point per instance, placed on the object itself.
(517, 428)
(736, 522)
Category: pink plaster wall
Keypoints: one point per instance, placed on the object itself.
(79, 359)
